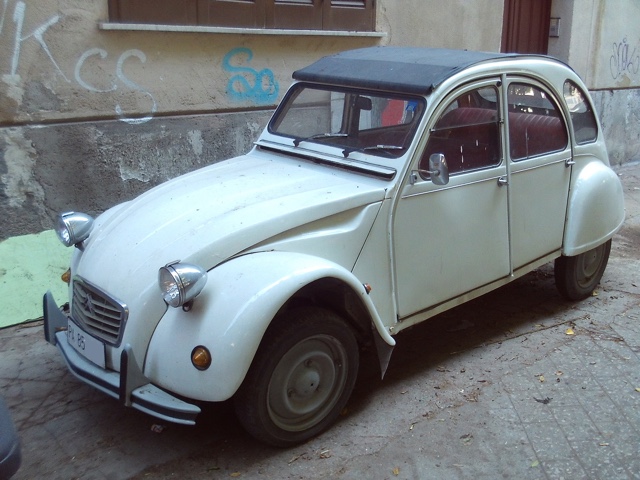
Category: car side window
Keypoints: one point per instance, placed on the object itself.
(584, 123)
(535, 124)
(467, 133)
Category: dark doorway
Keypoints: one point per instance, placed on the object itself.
(525, 28)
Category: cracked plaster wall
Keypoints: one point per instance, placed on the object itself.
(92, 166)
(619, 112)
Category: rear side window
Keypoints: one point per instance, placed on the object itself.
(584, 123)
(535, 124)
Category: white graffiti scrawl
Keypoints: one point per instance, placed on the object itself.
(83, 62)
(121, 76)
(37, 34)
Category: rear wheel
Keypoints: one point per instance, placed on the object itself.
(300, 378)
(577, 277)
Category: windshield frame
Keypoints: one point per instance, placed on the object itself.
(345, 131)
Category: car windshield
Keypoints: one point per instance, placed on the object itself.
(374, 123)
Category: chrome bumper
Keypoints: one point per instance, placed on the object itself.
(130, 386)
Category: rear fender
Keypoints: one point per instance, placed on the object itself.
(230, 317)
(595, 211)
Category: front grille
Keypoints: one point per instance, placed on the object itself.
(98, 313)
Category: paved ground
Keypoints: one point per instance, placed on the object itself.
(518, 384)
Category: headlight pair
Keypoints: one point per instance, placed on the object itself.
(179, 283)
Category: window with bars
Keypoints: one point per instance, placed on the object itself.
(340, 15)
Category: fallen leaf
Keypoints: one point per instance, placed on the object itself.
(466, 439)
(293, 459)
(396, 471)
(541, 378)
(325, 454)
(535, 464)
(638, 389)
(235, 474)
(570, 331)
(546, 400)
(594, 294)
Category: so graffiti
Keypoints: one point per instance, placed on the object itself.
(246, 83)
(624, 60)
(249, 84)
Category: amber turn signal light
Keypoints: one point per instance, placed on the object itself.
(66, 276)
(201, 357)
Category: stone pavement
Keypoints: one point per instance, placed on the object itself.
(517, 384)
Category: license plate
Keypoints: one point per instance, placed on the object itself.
(90, 348)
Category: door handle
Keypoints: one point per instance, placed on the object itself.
(503, 182)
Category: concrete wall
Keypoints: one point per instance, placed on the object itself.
(600, 39)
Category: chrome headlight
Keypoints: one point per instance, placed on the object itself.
(181, 282)
(73, 228)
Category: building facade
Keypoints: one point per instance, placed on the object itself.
(102, 99)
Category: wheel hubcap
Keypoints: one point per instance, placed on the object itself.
(307, 383)
(589, 265)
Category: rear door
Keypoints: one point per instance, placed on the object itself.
(540, 155)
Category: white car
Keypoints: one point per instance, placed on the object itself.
(391, 184)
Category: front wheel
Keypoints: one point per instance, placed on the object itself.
(300, 379)
(577, 277)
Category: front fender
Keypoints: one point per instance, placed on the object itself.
(595, 210)
(230, 317)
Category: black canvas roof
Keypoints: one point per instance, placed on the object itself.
(400, 69)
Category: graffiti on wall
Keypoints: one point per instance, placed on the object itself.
(246, 84)
(120, 75)
(625, 60)
(37, 34)
(249, 84)
(20, 37)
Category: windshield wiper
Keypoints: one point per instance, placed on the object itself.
(297, 141)
(347, 151)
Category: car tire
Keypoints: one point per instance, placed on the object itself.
(577, 277)
(300, 379)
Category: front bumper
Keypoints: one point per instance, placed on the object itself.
(130, 386)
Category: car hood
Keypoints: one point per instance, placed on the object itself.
(211, 214)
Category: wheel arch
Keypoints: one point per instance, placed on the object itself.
(336, 295)
(595, 209)
(241, 299)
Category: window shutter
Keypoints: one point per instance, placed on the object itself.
(161, 12)
(295, 14)
(232, 13)
(349, 15)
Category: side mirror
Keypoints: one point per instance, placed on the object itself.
(363, 103)
(438, 169)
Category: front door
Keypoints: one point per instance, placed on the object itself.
(452, 239)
